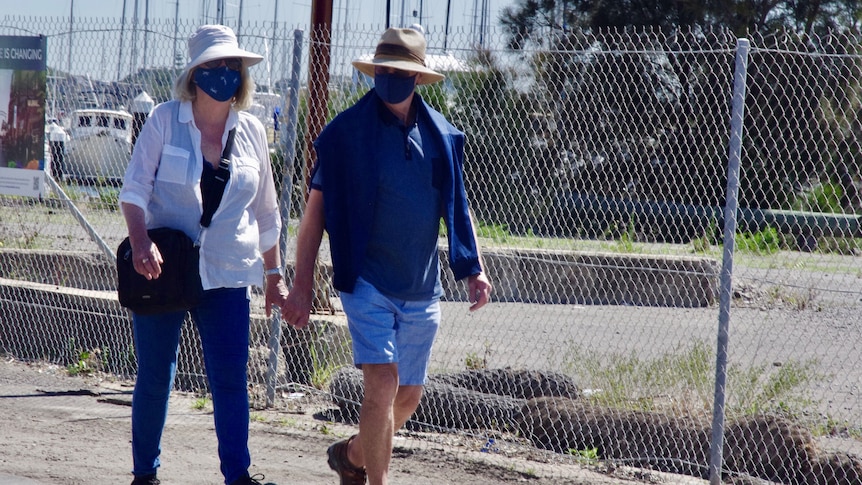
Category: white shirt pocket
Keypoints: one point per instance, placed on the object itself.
(174, 165)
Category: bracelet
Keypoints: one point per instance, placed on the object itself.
(277, 270)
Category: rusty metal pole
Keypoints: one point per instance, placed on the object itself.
(318, 94)
(318, 78)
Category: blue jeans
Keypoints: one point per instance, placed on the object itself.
(222, 320)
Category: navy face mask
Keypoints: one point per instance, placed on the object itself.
(220, 83)
(393, 88)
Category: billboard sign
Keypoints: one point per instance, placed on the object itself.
(23, 85)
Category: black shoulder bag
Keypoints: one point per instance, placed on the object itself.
(179, 287)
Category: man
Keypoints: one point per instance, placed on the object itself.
(388, 168)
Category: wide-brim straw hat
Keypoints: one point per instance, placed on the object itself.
(402, 49)
(211, 42)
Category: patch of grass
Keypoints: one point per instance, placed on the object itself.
(685, 379)
(763, 242)
(798, 300)
(474, 362)
(589, 456)
(322, 366)
(703, 244)
(201, 403)
(108, 199)
(627, 238)
(848, 246)
(291, 422)
(86, 363)
(498, 233)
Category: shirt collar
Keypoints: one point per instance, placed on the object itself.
(388, 118)
(186, 115)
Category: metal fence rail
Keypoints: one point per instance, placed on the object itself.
(597, 165)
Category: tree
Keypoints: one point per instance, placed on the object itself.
(639, 92)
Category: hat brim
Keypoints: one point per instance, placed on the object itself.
(428, 76)
(224, 52)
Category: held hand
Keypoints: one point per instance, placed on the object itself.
(276, 292)
(297, 307)
(148, 260)
(479, 291)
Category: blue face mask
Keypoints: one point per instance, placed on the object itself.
(220, 83)
(393, 88)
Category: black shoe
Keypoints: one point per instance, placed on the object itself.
(146, 480)
(247, 480)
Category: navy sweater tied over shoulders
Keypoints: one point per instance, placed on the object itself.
(346, 154)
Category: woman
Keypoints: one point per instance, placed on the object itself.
(173, 163)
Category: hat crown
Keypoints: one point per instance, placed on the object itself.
(407, 44)
(209, 36)
(401, 49)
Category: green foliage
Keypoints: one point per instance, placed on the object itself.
(86, 362)
(109, 199)
(500, 165)
(630, 382)
(763, 242)
(820, 198)
(495, 232)
(474, 362)
(323, 366)
(839, 245)
(625, 236)
(201, 403)
(703, 243)
(589, 456)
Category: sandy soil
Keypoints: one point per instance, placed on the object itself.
(59, 429)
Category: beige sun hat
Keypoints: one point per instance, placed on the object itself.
(402, 49)
(211, 42)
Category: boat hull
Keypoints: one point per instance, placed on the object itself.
(100, 146)
(98, 156)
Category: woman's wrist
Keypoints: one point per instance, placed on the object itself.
(277, 271)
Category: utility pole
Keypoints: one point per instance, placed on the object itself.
(446, 29)
(318, 77)
(122, 36)
(239, 23)
(71, 25)
(177, 57)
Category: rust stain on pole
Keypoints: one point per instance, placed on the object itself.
(318, 78)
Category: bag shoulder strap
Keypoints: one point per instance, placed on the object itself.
(221, 178)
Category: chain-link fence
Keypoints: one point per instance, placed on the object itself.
(597, 166)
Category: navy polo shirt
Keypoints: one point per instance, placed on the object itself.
(401, 259)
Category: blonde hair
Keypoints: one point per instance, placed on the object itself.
(184, 89)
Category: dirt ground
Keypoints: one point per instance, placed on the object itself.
(59, 429)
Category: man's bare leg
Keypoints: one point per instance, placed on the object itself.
(385, 409)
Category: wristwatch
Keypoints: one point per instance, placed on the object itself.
(277, 270)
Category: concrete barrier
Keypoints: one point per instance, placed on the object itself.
(73, 308)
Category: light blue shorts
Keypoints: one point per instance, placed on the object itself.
(387, 330)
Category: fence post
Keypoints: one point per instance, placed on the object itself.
(287, 170)
(725, 291)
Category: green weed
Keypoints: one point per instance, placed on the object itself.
(589, 456)
(474, 362)
(201, 403)
(322, 366)
(763, 242)
(682, 381)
